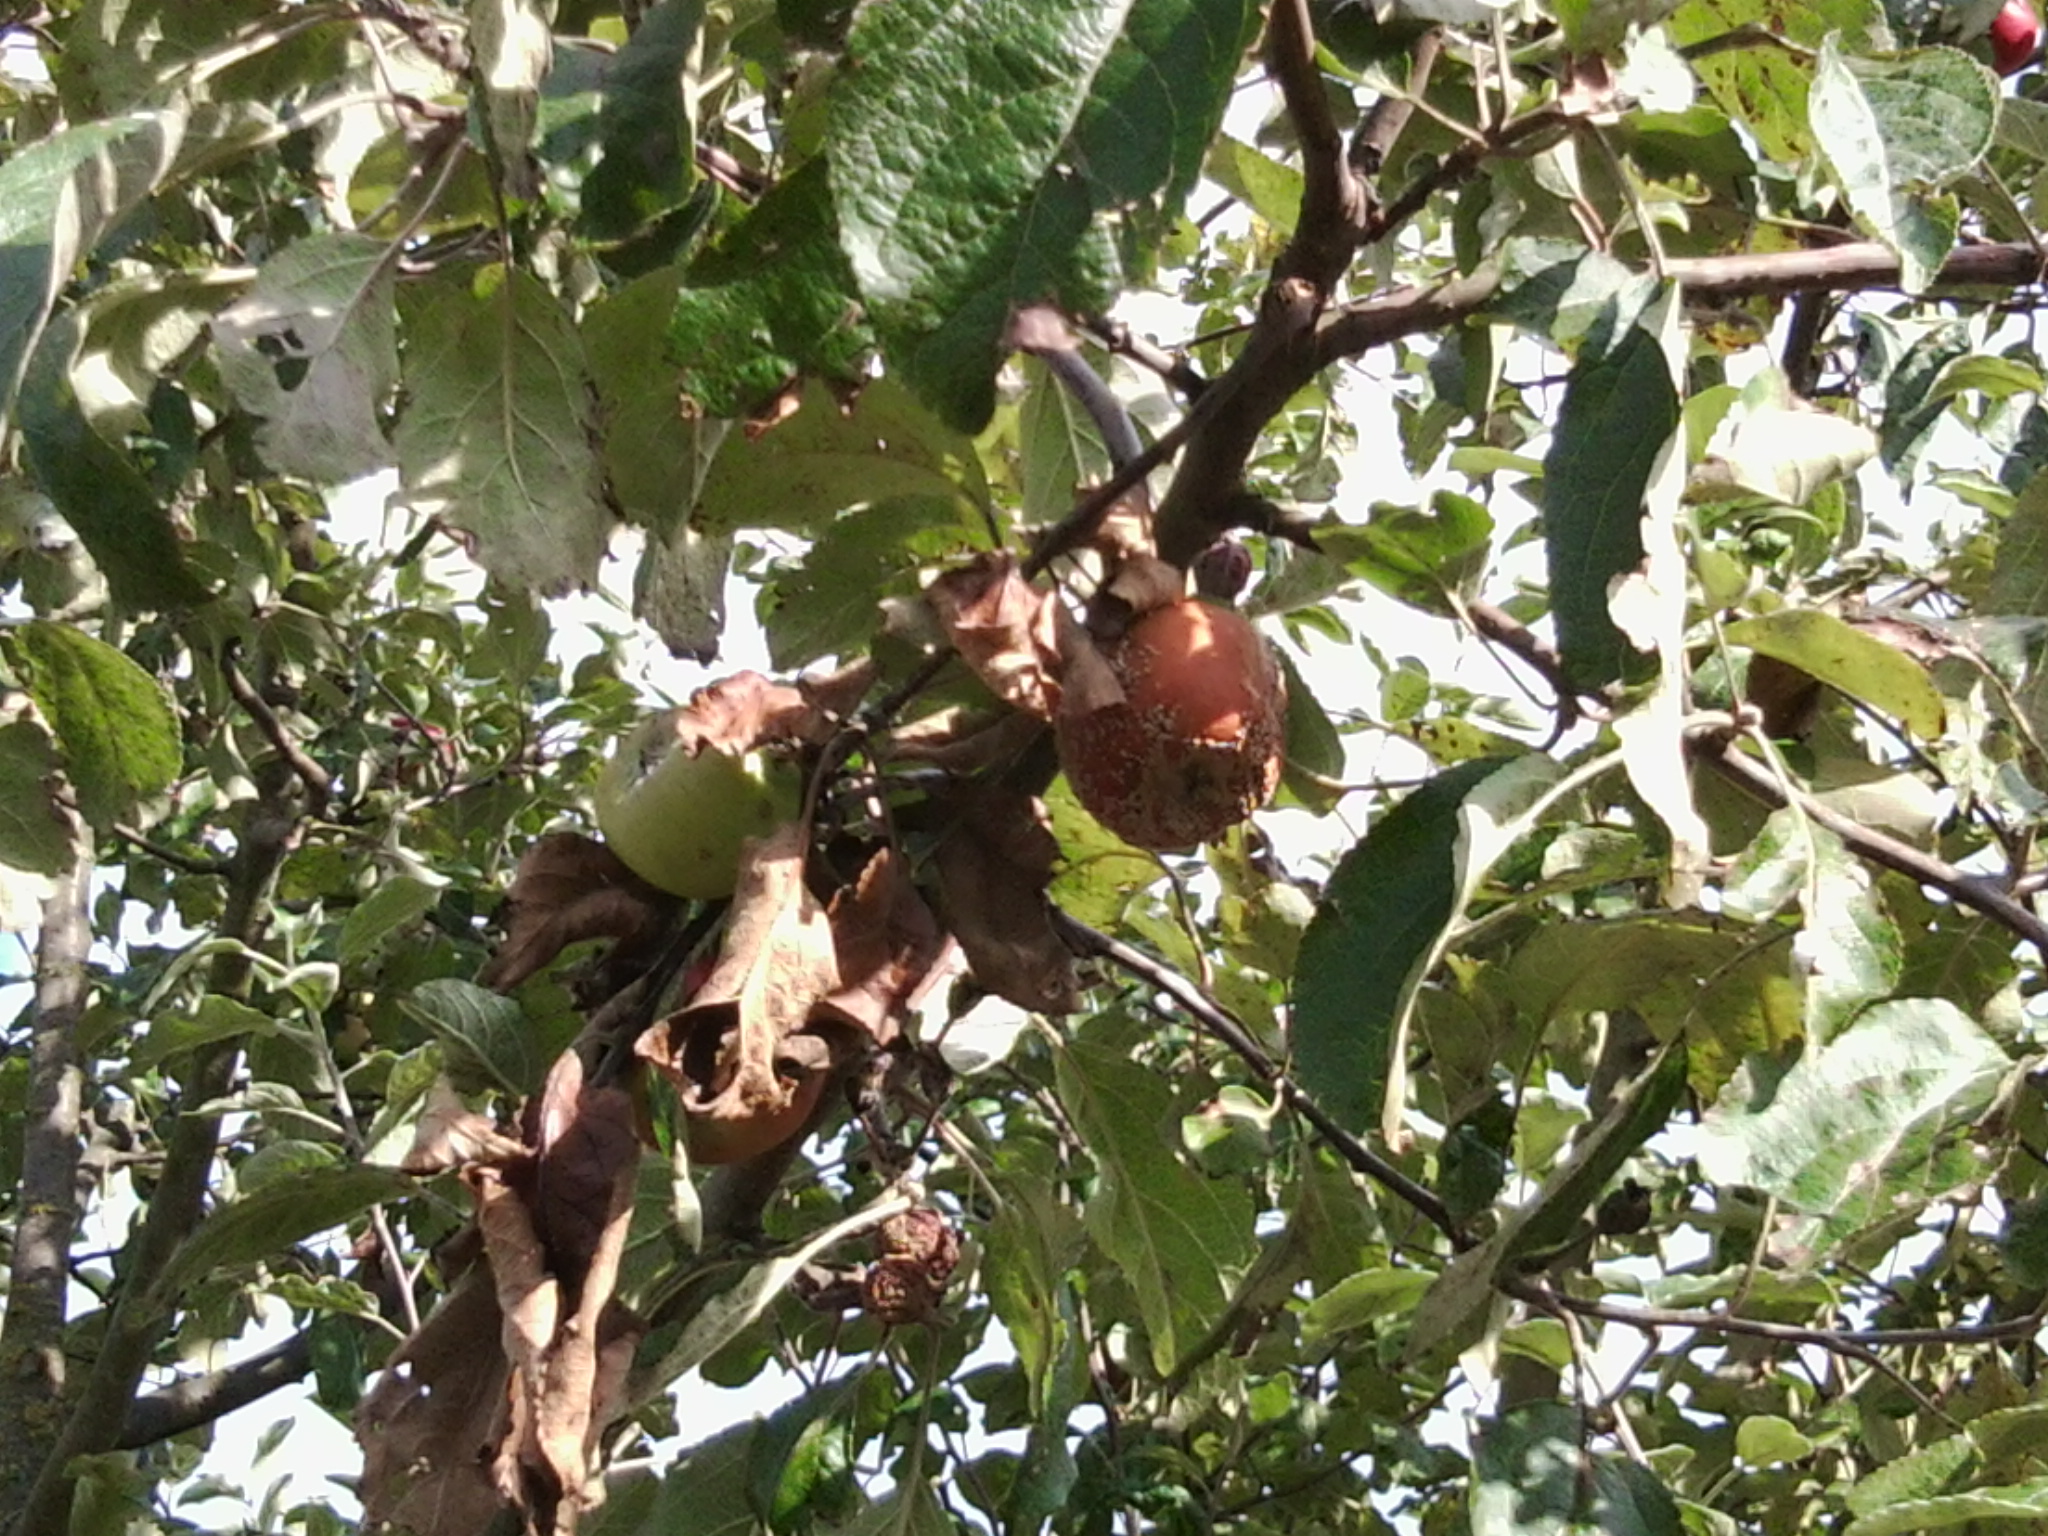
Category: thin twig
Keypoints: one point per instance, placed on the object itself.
(1231, 1031)
(315, 780)
(1965, 889)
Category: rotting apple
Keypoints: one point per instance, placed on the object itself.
(678, 818)
(1196, 745)
(2015, 37)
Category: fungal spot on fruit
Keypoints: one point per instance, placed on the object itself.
(1194, 747)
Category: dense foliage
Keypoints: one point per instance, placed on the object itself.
(1602, 1092)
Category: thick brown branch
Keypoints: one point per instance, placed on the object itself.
(199, 1400)
(141, 1313)
(1964, 889)
(1333, 206)
(1286, 353)
(1226, 1027)
(32, 1330)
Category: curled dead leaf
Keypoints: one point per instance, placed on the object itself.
(887, 945)
(994, 860)
(451, 1135)
(568, 888)
(1004, 628)
(735, 1050)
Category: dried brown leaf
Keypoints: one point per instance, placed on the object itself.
(887, 942)
(728, 1048)
(1144, 582)
(569, 888)
(451, 1135)
(1004, 629)
(962, 741)
(994, 863)
(431, 1423)
(554, 1238)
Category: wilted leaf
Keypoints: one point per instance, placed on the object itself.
(1780, 446)
(994, 860)
(569, 888)
(731, 1050)
(512, 49)
(1004, 628)
(312, 349)
(269, 1221)
(888, 947)
(498, 425)
(680, 590)
(429, 1426)
(451, 1135)
(555, 1264)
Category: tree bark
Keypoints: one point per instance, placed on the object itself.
(32, 1329)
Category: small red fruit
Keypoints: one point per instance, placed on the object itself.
(2015, 37)
(1196, 745)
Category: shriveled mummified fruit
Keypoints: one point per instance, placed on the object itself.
(1196, 745)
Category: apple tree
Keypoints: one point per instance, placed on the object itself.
(1309, 801)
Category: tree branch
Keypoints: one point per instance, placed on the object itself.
(32, 1328)
(1332, 221)
(199, 1400)
(1966, 890)
(1230, 1030)
(140, 1313)
(1293, 340)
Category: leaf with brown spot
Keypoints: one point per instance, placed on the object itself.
(726, 1050)
(887, 944)
(994, 862)
(1004, 628)
(429, 1425)
(569, 888)
(451, 1135)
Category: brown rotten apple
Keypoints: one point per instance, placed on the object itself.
(1195, 745)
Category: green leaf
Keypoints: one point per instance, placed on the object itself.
(1429, 560)
(1269, 188)
(1178, 1239)
(823, 461)
(1314, 750)
(1765, 89)
(1620, 410)
(1925, 1473)
(496, 436)
(1851, 659)
(1865, 1124)
(511, 50)
(1386, 905)
(655, 453)
(58, 196)
(1781, 447)
(1533, 1476)
(212, 1018)
(1851, 951)
(828, 601)
(33, 835)
(772, 299)
(679, 590)
(111, 720)
(973, 146)
(1360, 1300)
(395, 904)
(285, 1211)
(2026, 1502)
(1033, 1242)
(2019, 576)
(1896, 128)
(648, 165)
(95, 484)
(481, 1028)
(702, 1494)
(1765, 1440)
(312, 349)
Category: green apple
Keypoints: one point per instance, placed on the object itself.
(677, 818)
